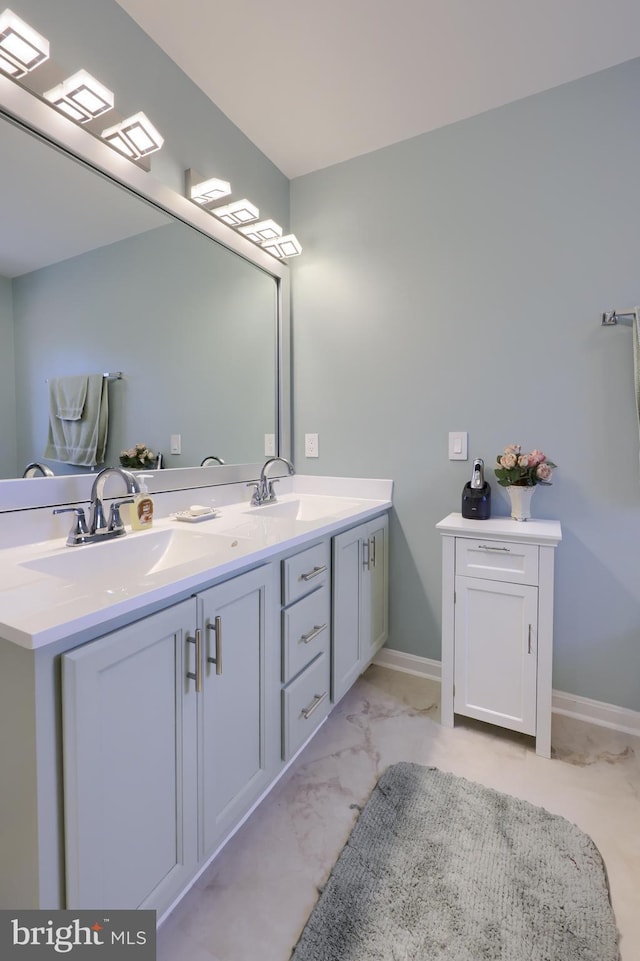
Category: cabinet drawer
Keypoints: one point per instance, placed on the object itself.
(497, 560)
(304, 572)
(305, 632)
(305, 703)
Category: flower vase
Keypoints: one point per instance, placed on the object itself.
(520, 498)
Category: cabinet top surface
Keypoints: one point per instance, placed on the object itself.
(533, 531)
(50, 591)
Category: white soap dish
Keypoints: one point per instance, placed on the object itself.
(196, 514)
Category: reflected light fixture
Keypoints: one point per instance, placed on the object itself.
(283, 247)
(134, 137)
(237, 213)
(265, 230)
(207, 191)
(21, 47)
(81, 97)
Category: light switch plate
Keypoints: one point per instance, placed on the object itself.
(175, 444)
(269, 445)
(458, 445)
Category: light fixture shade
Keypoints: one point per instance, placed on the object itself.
(209, 190)
(81, 97)
(21, 47)
(264, 230)
(135, 137)
(283, 247)
(237, 213)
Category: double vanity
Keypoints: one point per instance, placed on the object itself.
(155, 686)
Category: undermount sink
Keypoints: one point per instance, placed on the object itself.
(310, 507)
(131, 557)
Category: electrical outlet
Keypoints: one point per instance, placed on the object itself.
(269, 445)
(175, 444)
(311, 445)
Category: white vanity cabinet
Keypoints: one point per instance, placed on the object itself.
(497, 623)
(360, 600)
(134, 745)
(171, 732)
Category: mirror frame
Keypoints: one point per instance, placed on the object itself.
(38, 118)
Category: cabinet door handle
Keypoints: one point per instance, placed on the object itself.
(197, 676)
(315, 704)
(311, 636)
(216, 627)
(529, 641)
(314, 573)
(372, 551)
(487, 547)
(366, 562)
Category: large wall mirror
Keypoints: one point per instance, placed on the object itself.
(101, 275)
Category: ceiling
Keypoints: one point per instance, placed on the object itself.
(315, 83)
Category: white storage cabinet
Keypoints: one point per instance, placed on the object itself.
(497, 623)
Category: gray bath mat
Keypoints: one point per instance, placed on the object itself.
(438, 868)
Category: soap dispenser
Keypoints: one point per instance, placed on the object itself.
(476, 494)
(141, 511)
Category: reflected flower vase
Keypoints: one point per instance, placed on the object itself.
(520, 498)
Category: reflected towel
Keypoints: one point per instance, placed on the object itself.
(78, 440)
(67, 396)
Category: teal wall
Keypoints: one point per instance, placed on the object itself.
(7, 382)
(455, 282)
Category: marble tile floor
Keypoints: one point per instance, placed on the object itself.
(252, 902)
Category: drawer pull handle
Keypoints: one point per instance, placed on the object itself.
(311, 636)
(197, 677)
(486, 547)
(315, 704)
(217, 628)
(314, 573)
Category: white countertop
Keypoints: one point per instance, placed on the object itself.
(504, 528)
(38, 607)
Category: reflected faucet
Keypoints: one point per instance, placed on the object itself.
(98, 523)
(33, 469)
(264, 493)
(209, 458)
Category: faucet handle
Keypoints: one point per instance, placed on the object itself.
(79, 532)
(256, 497)
(271, 496)
(115, 521)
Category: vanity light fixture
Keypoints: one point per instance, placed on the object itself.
(283, 247)
(237, 213)
(265, 230)
(134, 137)
(210, 190)
(81, 97)
(21, 47)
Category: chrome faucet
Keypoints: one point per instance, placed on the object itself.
(31, 470)
(98, 523)
(98, 529)
(264, 493)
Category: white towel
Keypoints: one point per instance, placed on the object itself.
(79, 440)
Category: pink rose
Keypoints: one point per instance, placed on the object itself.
(543, 472)
(513, 449)
(508, 460)
(536, 457)
(523, 460)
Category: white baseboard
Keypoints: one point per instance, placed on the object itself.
(570, 705)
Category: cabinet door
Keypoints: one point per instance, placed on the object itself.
(239, 712)
(496, 652)
(360, 600)
(129, 745)
(346, 644)
(375, 594)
